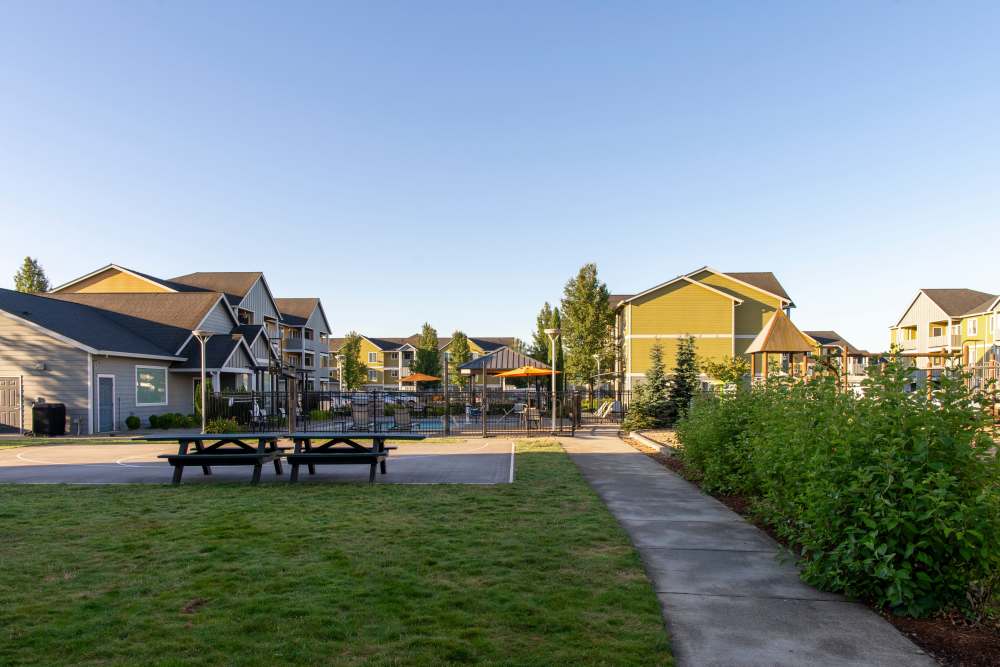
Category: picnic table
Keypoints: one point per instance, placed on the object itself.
(228, 449)
(312, 449)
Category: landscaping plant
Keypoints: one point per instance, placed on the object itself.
(890, 497)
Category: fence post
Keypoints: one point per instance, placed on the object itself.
(447, 401)
(373, 410)
(576, 412)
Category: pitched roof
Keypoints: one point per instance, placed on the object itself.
(166, 319)
(393, 343)
(957, 301)
(218, 349)
(298, 310)
(834, 339)
(124, 269)
(780, 335)
(234, 284)
(83, 324)
(615, 299)
(504, 359)
(984, 307)
(764, 280)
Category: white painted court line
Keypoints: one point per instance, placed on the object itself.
(138, 465)
(511, 480)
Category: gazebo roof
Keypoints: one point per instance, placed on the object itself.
(780, 335)
(504, 359)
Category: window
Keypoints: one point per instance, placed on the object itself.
(150, 385)
(309, 360)
(373, 376)
(244, 316)
(308, 333)
(394, 373)
(324, 361)
(372, 357)
(972, 327)
(937, 330)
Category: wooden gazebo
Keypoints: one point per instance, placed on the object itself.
(780, 336)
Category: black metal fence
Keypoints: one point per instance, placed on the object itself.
(459, 412)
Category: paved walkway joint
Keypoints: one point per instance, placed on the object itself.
(730, 594)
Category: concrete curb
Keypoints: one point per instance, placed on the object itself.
(649, 442)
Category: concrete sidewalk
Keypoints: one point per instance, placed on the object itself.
(730, 594)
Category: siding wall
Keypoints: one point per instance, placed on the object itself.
(63, 381)
(921, 313)
(113, 280)
(180, 389)
(239, 359)
(259, 301)
(682, 308)
(220, 319)
(260, 347)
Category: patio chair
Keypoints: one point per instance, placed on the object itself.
(401, 417)
(361, 415)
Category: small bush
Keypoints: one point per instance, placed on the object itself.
(318, 415)
(154, 421)
(223, 426)
(893, 497)
(132, 422)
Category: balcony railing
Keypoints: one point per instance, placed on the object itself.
(956, 341)
(292, 342)
(937, 341)
(908, 344)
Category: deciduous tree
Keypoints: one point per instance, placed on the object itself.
(353, 371)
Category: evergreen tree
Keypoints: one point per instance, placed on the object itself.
(684, 382)
(650, 406)
(427, 360)
(587, 325)
(458, 354)
(31, 278)
(539, 340)
(353, 370)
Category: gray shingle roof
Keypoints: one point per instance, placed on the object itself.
(832, 338)
(165, 319)
(296, 311)
(504, 359)
(958, 301)
(234, 284)
(217, 350)
(764, 280)
(80, 322)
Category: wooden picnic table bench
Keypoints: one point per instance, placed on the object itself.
(341, 448)
(228, 449)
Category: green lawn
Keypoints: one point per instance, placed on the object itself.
(532, 573)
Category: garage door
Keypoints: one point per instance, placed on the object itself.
(10, 405)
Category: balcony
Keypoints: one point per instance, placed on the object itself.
(908, 344)
(292, 343)
(956, 341)
(937, 341)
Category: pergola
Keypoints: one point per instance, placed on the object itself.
(780, 336)
(495, 363)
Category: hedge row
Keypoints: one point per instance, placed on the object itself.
(890, 497)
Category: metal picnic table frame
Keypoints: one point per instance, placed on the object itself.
(228, 449)
(332, 452)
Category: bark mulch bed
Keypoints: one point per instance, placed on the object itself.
(949, 637)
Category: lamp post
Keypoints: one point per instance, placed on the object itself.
(202, 337)
(553, 335)
(340, 372)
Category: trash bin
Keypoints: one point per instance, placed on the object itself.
(48, 419)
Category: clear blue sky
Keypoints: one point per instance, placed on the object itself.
(457, 162)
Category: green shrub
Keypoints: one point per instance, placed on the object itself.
(220, 425)
(890, 497)
(153, 421)
(318, 415)
(132, 422)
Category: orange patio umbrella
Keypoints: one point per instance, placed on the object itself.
(419, 377)
(526, 372)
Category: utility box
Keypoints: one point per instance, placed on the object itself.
(48, 419)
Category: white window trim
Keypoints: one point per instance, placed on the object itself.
(972, 327)
(373, 357)
(114, 407)
(166, 386)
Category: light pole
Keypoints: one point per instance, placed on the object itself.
(553, 335)
(340, 372)
(598, 383)
(202, 337)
